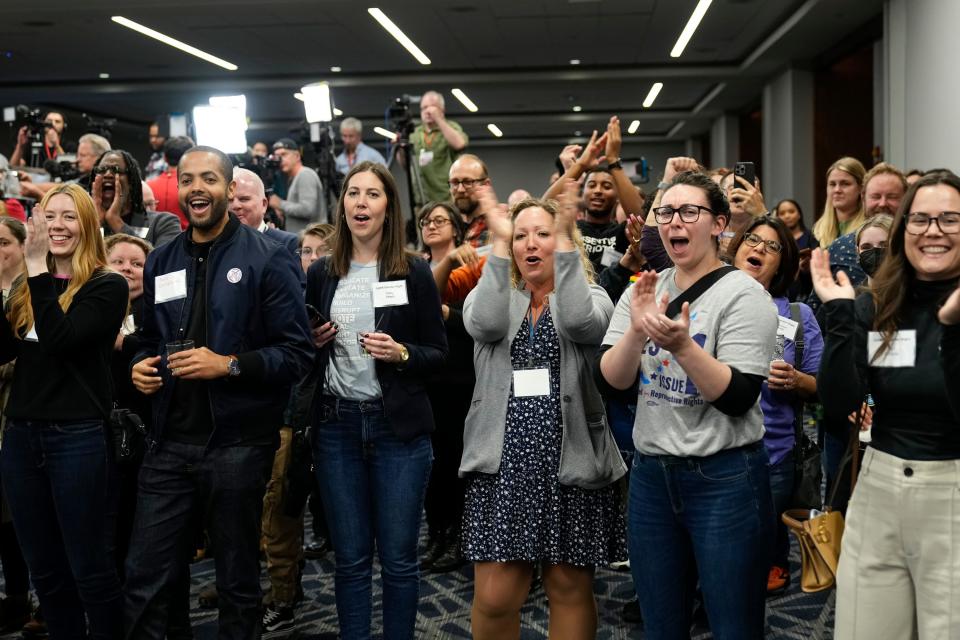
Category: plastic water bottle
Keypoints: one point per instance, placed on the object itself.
(865, 436)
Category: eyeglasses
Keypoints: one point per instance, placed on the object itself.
(467, 183)
(104, 169)
(439, 223)
(688, 213)
(919, 223)
(307, 252)
(754, 240)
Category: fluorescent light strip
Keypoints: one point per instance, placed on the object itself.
(688, 30)
(654, 92)
(400, 36)
(633, 127)
(495, 130)
(464, 100)
(173, 42)
(386, 133)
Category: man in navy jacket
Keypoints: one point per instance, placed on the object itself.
(218, 404)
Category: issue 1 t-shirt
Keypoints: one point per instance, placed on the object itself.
(735, 321)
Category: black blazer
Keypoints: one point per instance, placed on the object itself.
(417, 325)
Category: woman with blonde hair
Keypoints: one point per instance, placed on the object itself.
(539, 458)
(60, 324)
(844, 211)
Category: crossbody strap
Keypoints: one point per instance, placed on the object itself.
(798, 344)
(697, 289)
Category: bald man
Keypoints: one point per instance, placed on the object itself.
(466, 174)
(436, 144)
(249, 204)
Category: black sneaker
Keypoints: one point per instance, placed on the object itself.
(277, 621)
(316, 549)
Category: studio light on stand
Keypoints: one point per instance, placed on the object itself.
(222, 124)
(318, 110)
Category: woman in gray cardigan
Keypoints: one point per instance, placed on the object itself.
(538, 456)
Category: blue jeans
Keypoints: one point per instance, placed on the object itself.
(781, 486)
(179, 482)
(710, 515)
(373, 486)
(60, 483)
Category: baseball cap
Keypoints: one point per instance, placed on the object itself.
(286, 143)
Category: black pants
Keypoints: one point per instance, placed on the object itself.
(445, 491)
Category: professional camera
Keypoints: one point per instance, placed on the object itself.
(64, 167)
(103, 127)
(24, 116)
(401, 116)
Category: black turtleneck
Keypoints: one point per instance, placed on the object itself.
(917, 413)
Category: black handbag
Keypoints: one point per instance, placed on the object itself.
(807, 472)
(126, 431)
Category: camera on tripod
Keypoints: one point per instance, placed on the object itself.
(401, 116)
(24, 116)
(103, 127)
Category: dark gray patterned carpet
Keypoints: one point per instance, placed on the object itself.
(445, 607)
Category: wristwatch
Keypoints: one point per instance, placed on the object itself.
(404, 354)
(616, 164)
(233, 367)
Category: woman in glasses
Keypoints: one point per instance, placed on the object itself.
(380, 334)
(767, 252)
(699, 484)
(118, 196)
(441, 231)
(899, 574)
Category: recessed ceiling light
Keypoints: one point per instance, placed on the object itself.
(577, 108)
(335, 69)
(578, 133)
(688, 30)
(337, 112)
(173, 42)
(104, 76)
(386, 133)
(632, 129)
(464, 100)
(652, 95)
(575, 61)
(400, 36)
(495, 130)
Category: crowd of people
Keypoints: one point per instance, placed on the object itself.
(559, 383)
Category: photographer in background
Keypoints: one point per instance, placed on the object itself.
(436, 144)
(53, 141)
(304, 200)
(89, 150)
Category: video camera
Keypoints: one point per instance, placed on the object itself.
(401, 116)
(24, 116)
(103, 127)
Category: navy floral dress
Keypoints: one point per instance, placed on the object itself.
(522, 512)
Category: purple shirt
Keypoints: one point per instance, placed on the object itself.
(778, 406)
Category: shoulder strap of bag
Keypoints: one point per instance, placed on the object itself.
(851, 455)
(798, 345)
(697, 289)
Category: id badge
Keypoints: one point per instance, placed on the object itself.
(902, 351)
(530, 382)
(610, 257)
(426, 157)
(390, 294)
(170, 286)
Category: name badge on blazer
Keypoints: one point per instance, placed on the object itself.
(390, 294)
(902, 351)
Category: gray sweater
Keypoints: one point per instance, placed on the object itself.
(304, 200)
(492, 314)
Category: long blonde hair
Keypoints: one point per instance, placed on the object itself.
(89, 260)
(827, 228)
(551, 207)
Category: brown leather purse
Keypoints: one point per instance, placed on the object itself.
(820, 536)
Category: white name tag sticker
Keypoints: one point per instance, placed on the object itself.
(426, 157)
(170, 286)
(902, 351)
(129, 327)
(531, 382)
(787, 327)
(32, 335)
(140, 231)
(610, 257)
(484, 250)
(390, 294)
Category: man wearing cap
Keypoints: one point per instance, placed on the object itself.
(304, 201)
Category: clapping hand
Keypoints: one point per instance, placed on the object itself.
(666, 333)
(496, 214)
(37, 244)
(591, 155)
(950, 311)
(566, 219)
